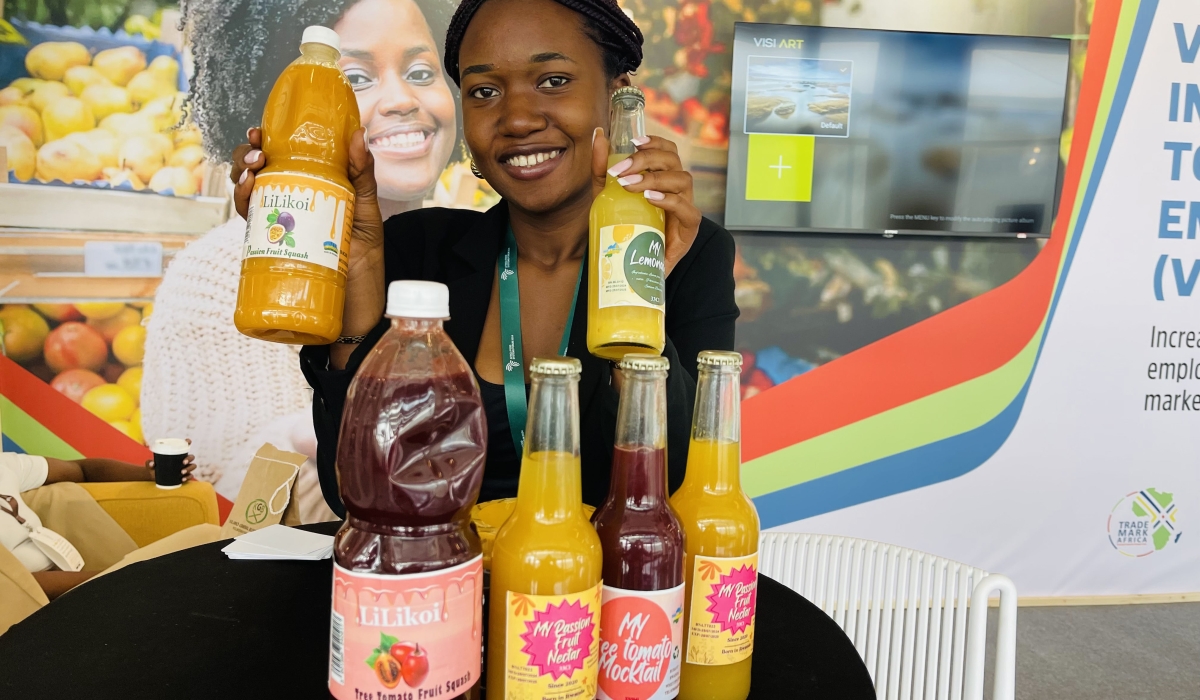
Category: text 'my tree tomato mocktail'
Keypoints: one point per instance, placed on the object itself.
(627, 273)
(544, 617)
(720, 528)
(641, 621)
(294, 260)
(407, 615)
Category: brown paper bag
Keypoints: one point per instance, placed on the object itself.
(266, 494)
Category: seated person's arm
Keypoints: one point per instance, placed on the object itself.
(55, 583)
(106, 470)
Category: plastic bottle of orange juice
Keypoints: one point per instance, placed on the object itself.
(544, 617)
(720, 527)
(294, 261)
(627, 290)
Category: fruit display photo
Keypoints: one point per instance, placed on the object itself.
(100, 110)
(90, 352)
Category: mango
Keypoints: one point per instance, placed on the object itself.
(141, 155)
(180, 180)
(22, 154)
(46, 93)
(102, 143)
(78, 78)
(25, 119)
(66, 115)
(104, 100)
(121, 64)
(51, 59)
(68, 161)
(146, 86)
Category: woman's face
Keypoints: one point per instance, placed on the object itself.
(407, 108)
(533, 92)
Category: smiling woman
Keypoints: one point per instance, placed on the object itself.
(536, 80)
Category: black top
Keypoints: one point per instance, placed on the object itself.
(459, 248)
(503, 462)
(196, 624)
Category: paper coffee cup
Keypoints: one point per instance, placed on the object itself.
(169, 454)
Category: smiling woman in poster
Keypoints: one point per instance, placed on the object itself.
(202, 378)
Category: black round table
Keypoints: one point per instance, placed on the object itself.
(196, 624)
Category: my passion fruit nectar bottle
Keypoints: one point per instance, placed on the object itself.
(626, 264)
(296, 252)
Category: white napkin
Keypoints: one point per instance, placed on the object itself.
(279, 542)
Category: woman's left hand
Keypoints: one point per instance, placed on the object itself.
(656, 172)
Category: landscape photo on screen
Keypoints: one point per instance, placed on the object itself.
(798, 96)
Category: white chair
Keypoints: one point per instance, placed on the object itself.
(918, 621)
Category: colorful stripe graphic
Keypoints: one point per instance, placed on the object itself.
(937, 399)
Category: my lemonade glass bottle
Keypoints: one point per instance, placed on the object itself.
(407, 618)
(721, 541)
(294, 262)
(641, 621)
(544, 617)
(626, 271)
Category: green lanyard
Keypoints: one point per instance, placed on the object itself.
(510, 338)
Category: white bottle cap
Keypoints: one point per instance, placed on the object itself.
(416, 299)
(321, 35)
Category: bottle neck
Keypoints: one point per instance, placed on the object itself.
(628, 123)
(639, 471)
(550, 487)
(416, 325)
(320, 52)
(715, 449)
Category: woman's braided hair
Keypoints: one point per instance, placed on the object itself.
(619, 38)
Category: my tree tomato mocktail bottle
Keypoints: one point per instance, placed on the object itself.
(407, 615)
(720, 526)
(641, 621)
(294, 261)
(626, 273)
(544, 605)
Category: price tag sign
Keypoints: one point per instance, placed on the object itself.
(110, 259)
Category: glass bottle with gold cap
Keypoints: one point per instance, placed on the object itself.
(720, 527)
(544, 621)
(641, 622)
(626, 273)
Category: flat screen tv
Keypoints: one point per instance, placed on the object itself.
(870, 131)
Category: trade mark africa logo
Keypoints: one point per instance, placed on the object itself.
(1143, 522)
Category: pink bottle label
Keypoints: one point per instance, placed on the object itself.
(640, 637)
(411, 637)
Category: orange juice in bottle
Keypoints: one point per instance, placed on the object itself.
(626, 271)
(720, 527)
(544, 617)
(296, 251)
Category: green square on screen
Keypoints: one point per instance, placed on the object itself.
(779, 168)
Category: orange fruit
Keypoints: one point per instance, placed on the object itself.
(129, 345)
(130, 429)
(110, 402)
(96, 310)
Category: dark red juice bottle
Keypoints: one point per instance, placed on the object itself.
(641, 617)
(408, 574)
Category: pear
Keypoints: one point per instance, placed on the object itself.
(146, 86)
(119, 176)
(43, 94)
(187, 135)
(26, 85)
(163, 143)
(141, 155)
(66, 115)
(126, 125)
(187, 157)
(25, 119)
(102, 143)
(68, 161)
(78, 78)
(22, 154)
(166, 68)
(11, 96)
(104, 100)
(120, 64)
(50, 60)
(180, 180)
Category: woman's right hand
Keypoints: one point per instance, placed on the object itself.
(367, 234)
